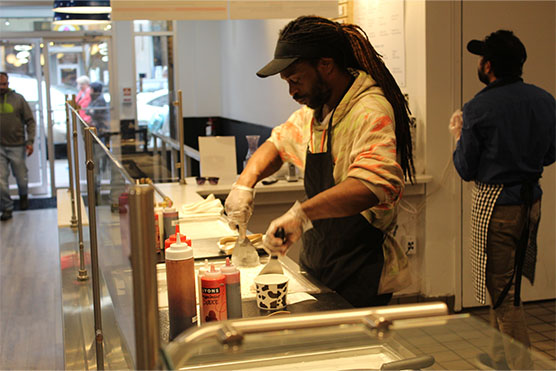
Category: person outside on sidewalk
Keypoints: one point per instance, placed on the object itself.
(17, 134)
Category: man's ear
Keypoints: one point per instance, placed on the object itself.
(487, 67)
(326, 65)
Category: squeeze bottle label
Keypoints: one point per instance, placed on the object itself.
(213, 289)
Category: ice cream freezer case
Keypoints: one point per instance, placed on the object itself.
(415, 336)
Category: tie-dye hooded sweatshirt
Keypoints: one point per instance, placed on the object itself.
(363, 147)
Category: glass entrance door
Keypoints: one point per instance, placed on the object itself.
(21, 60)
(76, 67)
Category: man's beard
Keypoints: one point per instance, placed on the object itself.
(482, 75)
(319, 94)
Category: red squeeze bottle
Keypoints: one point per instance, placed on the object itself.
(213, 289)
(180, 278)
(157, 233)
(233, 289)
(172, 238)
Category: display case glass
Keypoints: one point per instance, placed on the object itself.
(441, 342)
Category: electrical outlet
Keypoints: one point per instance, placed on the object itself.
(409, 243)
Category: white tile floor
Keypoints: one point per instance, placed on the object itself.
(541, 323)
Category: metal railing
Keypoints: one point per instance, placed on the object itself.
(142, 275)
(140, 280)
(77, 120)
(76, 188)
(171, 145)
(73, 221)
(178, 148)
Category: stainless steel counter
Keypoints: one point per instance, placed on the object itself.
(326, 299)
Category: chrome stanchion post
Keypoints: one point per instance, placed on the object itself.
(174, 161)
(181, 163)
(91, 196)
(156, 164)
(73, 221)
(164, 154)
(82, 275)
(143, 262)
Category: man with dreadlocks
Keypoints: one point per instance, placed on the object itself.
(351, 137)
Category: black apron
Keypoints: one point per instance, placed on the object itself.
(343, 253)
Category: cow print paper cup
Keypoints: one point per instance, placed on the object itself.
(271, 291)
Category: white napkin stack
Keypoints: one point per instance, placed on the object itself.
(209, 207)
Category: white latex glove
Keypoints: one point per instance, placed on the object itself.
(456, 122)
(239, 206)
(294, 222)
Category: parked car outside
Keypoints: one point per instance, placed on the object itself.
(153, 111)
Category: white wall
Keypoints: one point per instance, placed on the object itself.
(411, 218)
(415, 72)
(247, 46)
(216, 62)
(198, 49)
(440, 264)
(122, 68)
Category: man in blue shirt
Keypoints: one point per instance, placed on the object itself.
(507, 137)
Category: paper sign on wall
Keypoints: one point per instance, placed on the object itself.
(383, 21)
(218, 158)
(126, 96)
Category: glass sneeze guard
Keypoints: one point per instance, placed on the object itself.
(452, 342)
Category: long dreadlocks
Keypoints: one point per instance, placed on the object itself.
(350, 48)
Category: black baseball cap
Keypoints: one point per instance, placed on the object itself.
(287, 52)
(499, 45)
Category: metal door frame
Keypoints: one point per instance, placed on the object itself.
(81, 38)
(45, 37)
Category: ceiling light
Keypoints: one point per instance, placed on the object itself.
(23, 55)
(10, 58)
(103, 48)
(21, 48)
(79, 18)
(82, 6)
